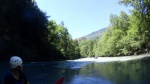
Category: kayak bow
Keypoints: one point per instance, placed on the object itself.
(60, 80)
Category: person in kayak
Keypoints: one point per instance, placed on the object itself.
(15, 75)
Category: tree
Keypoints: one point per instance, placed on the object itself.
(23, 31)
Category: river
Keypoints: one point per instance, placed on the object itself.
(85, 72)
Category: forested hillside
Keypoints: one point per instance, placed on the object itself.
(126, 34)
(26, 31)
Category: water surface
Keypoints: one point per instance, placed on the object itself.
(129, 72)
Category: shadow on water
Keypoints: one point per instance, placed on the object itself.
(129, 72)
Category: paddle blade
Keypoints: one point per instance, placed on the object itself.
(60, 81)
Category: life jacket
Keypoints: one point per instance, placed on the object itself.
(10, 79)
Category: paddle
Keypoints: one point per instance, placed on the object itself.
(60, 80)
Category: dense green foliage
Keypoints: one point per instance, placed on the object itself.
(62, 40)
(126, 34)
(26, 31)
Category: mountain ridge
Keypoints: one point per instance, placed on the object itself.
(94, 35)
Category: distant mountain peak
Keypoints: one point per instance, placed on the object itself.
(94, 35)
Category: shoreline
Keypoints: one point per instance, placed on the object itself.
(113, 59)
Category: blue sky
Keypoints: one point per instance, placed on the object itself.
(81, 17)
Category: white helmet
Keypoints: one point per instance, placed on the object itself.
(15, 61)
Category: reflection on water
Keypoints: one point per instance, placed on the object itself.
(130, 72)
(77, 79)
